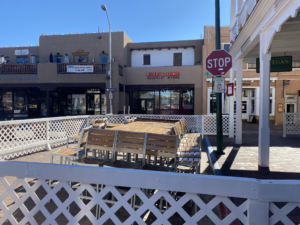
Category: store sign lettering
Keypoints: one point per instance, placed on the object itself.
(19, 78)
(162, 75)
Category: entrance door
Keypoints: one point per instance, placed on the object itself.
(33, 106)
(93, 104)
(150, 106)
(291, 107)
(147, 106)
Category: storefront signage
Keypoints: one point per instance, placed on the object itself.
(219, 84)
(230, 88)
(278, 64)
(18, 78)
(280, 108)
(22, 52)
(80, 69)
(170, 75)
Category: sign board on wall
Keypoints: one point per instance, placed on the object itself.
(162, 75)
(230, 89)
(219, 84)
(280, 108)
(22, 52)
(80, 69)
(278, 64)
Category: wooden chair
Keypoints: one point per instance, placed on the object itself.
(164, 146)
(128, 142)
(75, 152)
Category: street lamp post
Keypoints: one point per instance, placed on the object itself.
(110, 75)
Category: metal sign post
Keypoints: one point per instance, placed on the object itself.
(219, 95)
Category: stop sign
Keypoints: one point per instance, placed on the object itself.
(219, 62)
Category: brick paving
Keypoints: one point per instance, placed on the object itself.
(242, 160)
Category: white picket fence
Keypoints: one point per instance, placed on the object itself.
(291, 123)
(246, 200)
(26, 136)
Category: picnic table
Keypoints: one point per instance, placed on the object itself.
(143, 126)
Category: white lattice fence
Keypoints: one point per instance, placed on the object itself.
(27, 197)
(209, 124)
(291, 123)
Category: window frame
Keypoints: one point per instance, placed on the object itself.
(76, 54)
(177, 53)
(103, 54)
(22, 57)
(5, 58)
(146, 55)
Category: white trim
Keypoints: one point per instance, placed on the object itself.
(273, 79)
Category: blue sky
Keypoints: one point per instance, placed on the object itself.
(143, 20)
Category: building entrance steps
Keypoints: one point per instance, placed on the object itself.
(242, 160)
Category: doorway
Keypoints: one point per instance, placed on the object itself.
(291, 104)
(93, 104)
(147, 106)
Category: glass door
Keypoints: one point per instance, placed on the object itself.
(143, 107)
(33, 106)
(93, 104)
(149, 106)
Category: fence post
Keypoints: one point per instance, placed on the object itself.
(47, 146)
(258, 212)
(284, 125)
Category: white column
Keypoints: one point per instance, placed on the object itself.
(231, 107)
(232, 12)
(239, 77)
(240, 3)
(264, 103)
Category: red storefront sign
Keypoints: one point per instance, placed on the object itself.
(230, 89)
(162, 74)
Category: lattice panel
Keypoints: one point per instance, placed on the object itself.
(292, 121)
(286, 213)
(34, 201)
(210, 125)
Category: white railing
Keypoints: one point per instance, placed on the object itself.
(291, 123)
(242, 17)
(26, 136)
(26, 196)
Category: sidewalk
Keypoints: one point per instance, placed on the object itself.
(242, 160)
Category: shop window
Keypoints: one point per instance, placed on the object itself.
(93, 91)
(20, 101)
(174, 99)
(103, 103)
(252, 106)
(7, 101)
(78, 104)
(165, 102)
(251, 66)
(252, 93)
(120, 70)
(103, 58)
(296, 64)
(177, 59)
(147, 94)
(147, 59)
(59, 59)
(245, 93)
(6, 58)
(188, 102)
(156, 102)
(22, 60)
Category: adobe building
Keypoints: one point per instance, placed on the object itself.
(284, 86)
(68, 75)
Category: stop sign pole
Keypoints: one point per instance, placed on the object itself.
(219, 95)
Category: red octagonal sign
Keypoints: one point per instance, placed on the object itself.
(219, 62)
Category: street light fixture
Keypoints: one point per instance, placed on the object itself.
(103, 7)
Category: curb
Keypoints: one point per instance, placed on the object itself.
(212, 158)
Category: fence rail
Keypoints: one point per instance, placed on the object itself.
(291, 123)
(18, 68)
(97, 67)
(20, 137)
(248, 201)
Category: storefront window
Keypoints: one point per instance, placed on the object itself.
(103, 103)
(245, 93)
(43, 104)
(7, 101)
(78, 104)
(188, 102)
(156, 100)
(252, 93)
(20, 101)
(252, 106)
(175, 96)
(146, 94)
(165, 103)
